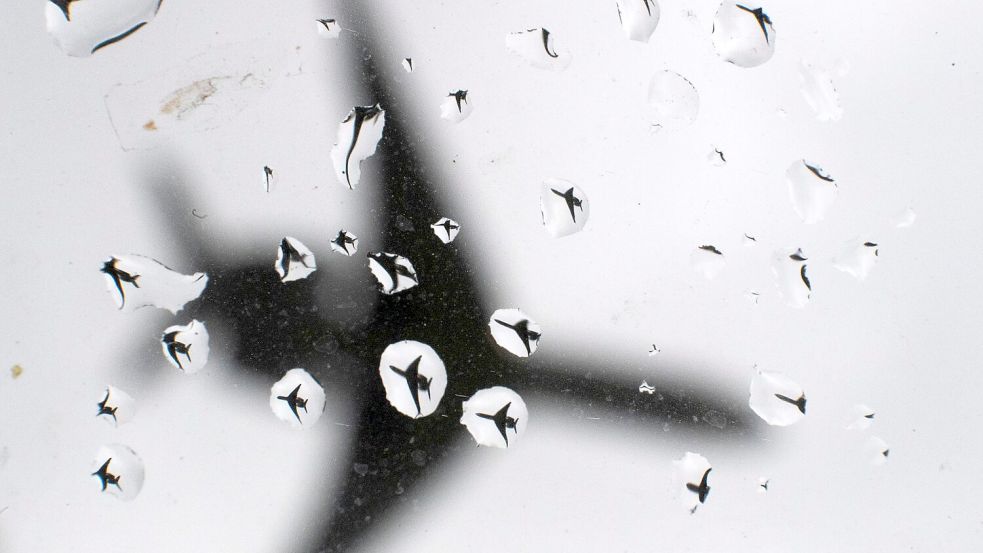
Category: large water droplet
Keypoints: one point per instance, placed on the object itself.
(116, 406)
(639, 18)
(394, 272)
(358, 135)
(297, 399)
(294, 261)
(707, 261)
(446, 229)
(495, 417)
(791, 278)
(414, 377)
(692, 475)
(811, 190)
(674, 100)
(345, 243)
(328, 28)
(515, 331)
(136, 281)
(118, 471)
(743, 35)
(456, 106)
(857, 258)
(186, 347)
(82, 27)
(537, 47)
(777, 399)
(819, 91)
(564, 206)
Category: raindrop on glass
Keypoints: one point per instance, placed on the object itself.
(394, 272)
(456, 106)
(876, 451)
(538, 48)
(495, 417)
(707, 261)
(446, 229)
(408, 64)
(117, 471)
(294, 261)
(514, 331)
(749, 241)
(270, 178)
(186, 347)
(639, 18)
(743, 34)
(819, 92)
(811, 190)
(136, 281)
(414, 378)
(564, 206)
(345, 243)
(763, 484)
(82, 27)
(862, 417)
(716, 158)
(777, 399)
(673, 99)
(905, 219)
(328, 28)
(655, 350)
(358, 135)
(791, 277)
(857, 258)
(646, 388)
(297, 399)
(715, 419)
(692, 474)
(115, 406)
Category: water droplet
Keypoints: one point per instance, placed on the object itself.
(537, 47)
(358, 135)
(857, 258)
(495, 417)
(646, 388)
(789, 268)
(394, 272)
(654, 351)
(414, 377)
(811, 190)
(752, 296)
(862, 417)
(297, 399)
(707, 261)
(118, 471)
(674, 100)
(564, 206)
(81, 28)
(639, 18)
(715, 419)
(819, 91)
(692, 473)
(743, 35)
(345, 243)
(136, 281)
(456, 106)
(186, 347)
(777, 399)
(446, 229)
(876, 451)
(294, 261)
(270, 179)
(763, 485)
(749, 241)
(328, 28)
(716, 158)
(905, 219)
(408, 65)
(515, 331)
(115, 406)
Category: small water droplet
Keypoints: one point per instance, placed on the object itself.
(538, 48)
(811, 190)
(777, 399)
(297, 399)
(408, 64)
(358, 136)
(82, 28)
(750, 241)
(743, 34)
(905, 219)
(495, 417)
(136, 281)
(639, 18)
(876, 451)
(361, 469)
(857, 258)
(564, 206)
(446, 229)
(646, 388)
(456, 106)
(692, 474)
(118, 471)
(414, 377)
(294, 261)
(763, 484)
(791, 277)
(655, 350)
(345, 243)
(708, 261)
(270, 179)
(715, 419)
(819, 91)
(862, 417)
(514, 331)
(115, 406)
(716, 157)
(328, 28)
(186, 346)
(673, 99)
(394, 272)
